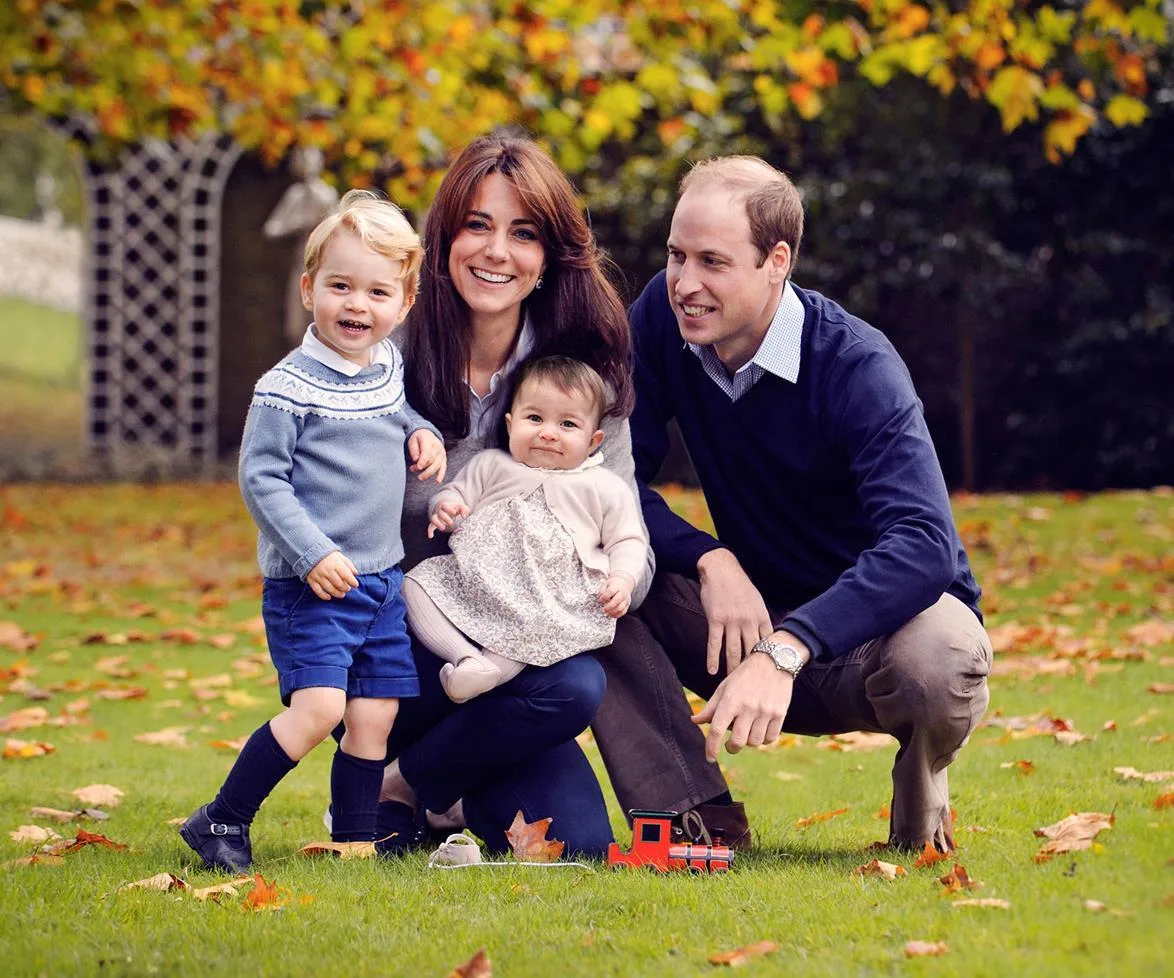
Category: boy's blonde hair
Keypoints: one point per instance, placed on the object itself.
(380, 225)
(568, 375)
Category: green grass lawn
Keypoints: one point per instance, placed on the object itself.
(41, 370)
(154, 590)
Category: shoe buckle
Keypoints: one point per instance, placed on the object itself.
(219, 828)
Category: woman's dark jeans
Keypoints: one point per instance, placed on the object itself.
(510, 749)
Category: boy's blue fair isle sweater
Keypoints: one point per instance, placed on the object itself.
(322, 464)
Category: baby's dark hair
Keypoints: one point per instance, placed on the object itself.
(567, 375)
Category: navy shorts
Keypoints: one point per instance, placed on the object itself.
(358, 642)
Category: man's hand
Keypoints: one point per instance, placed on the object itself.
(734, 609)
(751, 702)
(446, 513)
(428, 455)
(332, 576)
(616, 596)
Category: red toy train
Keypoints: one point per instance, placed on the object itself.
(652, 846)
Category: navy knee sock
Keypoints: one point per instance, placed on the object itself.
(354, 795)
(258, 769)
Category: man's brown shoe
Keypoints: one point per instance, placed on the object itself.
(712, 824)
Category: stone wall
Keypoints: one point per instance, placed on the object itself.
(41, 264)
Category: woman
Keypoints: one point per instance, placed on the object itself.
(511, 273)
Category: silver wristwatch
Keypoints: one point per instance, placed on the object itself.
(786, 658)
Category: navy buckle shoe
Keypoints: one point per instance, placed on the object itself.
(221, 845)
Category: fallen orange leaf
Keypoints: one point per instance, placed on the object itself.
(122, 693)
(1072, 834)
(1160, 688)
(529, 843)
(264, 895)
(1164, 801)
(922, 949)
(13, 637)
(929, 855)
(877, 867)
(802, 823)
(478, 966)
(744, 955)
(24, 719)
(1024, 767)
(1150, 777)
(958, 879)
(39, 859)
(24, 749)
(81, 840)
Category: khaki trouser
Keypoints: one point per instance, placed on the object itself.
(926, 684)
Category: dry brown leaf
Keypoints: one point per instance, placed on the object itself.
(929, 855)
(857, 740)
(342, 850)
(167, 737)
(265, 895)
(215, 892)
(122, 693)
(1023, 767)
(529, 843)
(1165, 801)
(1072, 834)
(925, 949)
(885, 870)
(57, 814)
(993, 902)
(38, 859)
(219, 681)
(1150, 777)
(34, 834)
(1070, 738)
(24, 719)
(478, 966)
(802, 823)
(162, 882)
(1152, 632)
(958, 880)
(744, 955)
(99, 794)
(1096, 906)
(24, 749)
(1160, 688)
(13, 637)
(181, 636)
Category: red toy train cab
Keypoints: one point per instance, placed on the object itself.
(652, 846)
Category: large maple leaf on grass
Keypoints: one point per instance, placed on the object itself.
(529, 842)
(1072, 834)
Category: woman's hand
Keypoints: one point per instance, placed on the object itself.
(333, 576)
(616, 596)
(445, 514)
(428, 455)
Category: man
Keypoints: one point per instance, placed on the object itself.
(837, 595)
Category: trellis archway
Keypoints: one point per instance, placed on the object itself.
(152, 304)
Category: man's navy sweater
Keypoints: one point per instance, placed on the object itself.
(827, 490)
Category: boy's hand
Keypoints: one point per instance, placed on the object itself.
(446, 513)
(332, 576)
(428, 455)
(616, 596)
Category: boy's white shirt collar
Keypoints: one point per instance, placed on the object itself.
(317, 350)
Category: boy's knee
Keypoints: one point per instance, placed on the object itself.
(319, 710)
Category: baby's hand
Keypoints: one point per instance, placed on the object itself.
(446, 513)
(616, 596)
(428, 455)
(332, 576)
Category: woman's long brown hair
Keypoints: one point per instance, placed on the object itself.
(577, 312)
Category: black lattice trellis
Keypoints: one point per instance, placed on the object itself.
(153, 300)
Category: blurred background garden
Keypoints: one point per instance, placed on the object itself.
(985, 181)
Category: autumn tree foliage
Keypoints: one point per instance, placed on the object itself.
(389, 88)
